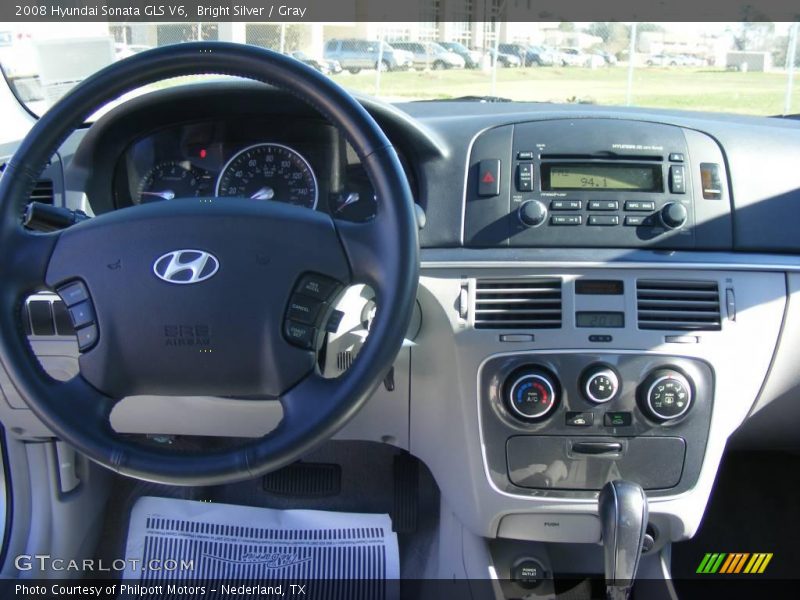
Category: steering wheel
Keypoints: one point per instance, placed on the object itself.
(193, 296)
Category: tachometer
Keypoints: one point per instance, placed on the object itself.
(173, 179)
(269, 172)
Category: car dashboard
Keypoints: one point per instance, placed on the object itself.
(605, 292)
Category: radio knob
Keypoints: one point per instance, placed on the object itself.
(673, 215)
(532, 213)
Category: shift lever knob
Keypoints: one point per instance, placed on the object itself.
(623, 514)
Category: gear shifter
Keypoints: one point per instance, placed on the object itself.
(623, 514)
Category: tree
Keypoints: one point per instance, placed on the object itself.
(753, 36)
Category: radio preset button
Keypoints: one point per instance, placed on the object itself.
(639, 205)
(603, 220)
(565, 220)
(634, 221)
(603, 205)
(565, 205)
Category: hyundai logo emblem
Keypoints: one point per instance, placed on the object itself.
(186, 266)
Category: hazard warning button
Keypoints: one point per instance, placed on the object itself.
(489, 177)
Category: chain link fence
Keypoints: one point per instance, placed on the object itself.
(735, 67)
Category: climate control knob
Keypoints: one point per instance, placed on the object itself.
(532, 213)
(673, 215)
(666, 395)
(531, 394)
(600, 385)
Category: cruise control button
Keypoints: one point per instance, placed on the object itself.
(565, 220)
(300, 334)
(603, 220)
(73, 293)
(81, 314)
(304, 309)
(317, 286)
(603, 205)
(87, 337)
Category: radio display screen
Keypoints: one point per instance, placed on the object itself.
(604, 176)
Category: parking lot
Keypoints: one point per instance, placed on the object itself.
(666, 87)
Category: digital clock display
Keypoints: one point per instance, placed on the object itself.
(576, 176)
(599, 319)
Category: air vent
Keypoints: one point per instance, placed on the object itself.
(42, 192)
(681, 305)
(344, 360)
(518, 304)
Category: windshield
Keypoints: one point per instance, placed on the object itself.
(743, 67)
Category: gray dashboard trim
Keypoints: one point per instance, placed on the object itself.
(605, 258)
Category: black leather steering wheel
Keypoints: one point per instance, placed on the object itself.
(230, 326)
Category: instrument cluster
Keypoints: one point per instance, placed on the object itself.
(301, 162)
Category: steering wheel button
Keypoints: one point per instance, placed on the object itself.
(87, 337)
(304, 309)
(300, 334)
(73, 293)
(317, 286)
(81, 314)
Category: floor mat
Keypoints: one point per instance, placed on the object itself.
(248, 544)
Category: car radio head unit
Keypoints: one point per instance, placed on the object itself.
(596, 183)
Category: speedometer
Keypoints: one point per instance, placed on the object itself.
(269, 172)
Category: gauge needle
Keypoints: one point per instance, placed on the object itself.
(166, 194)
(352, 198)
(265, 193)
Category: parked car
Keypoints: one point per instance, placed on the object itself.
(529, 56)
(354, 55)
(472, 58)
(323, 65)
(503, 59)
(608, 57)
(662, 60)
(430, 55)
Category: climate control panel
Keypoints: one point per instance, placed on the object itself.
(572, 421)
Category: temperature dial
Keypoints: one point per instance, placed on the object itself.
(531, 395)
(601, 385)
(667, 395)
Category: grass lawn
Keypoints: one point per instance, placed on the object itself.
(681, 88)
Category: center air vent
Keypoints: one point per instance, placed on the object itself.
(518, 304)
(681, 305)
